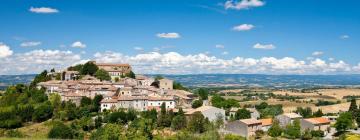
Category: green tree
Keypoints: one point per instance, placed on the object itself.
(242, 114)
(197, 103)
(179, 86)
(43, 112)
(305, 112)
(42, 77)
(61, 131)
(203, 93)
(77, 67)
(98, 122)
(275, 130)
(131, 74)
(292, 131)
(197, 123)
(102, 75)
(108, 132)
(163, 119)
(306, 135)
(25, 112)
(89, 68)
(96, 102)
(179, 121)
(317, 133)
(318, 113)
(85, 101)
(353, 107)
(233, 137)
(344, 121)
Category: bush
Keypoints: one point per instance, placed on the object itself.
(14, 133)
(61, 131)
(197, 103)
(43, 112)
(317, 133)
(233, 137)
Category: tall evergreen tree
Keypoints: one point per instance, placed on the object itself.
(89, 68)
(353, 107)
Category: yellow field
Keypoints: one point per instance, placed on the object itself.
(336, 94)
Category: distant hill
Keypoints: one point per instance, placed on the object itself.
(234, 80)
(6, 80)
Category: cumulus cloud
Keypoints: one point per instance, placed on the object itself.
(30, 44)
(264, 46)
(219, 46)
(38, 60)
(78, 44)
(43, 10)
(5, 50)
(243, 27)
(317, 53)
(243, 4)
(168, 35)
(175, 63)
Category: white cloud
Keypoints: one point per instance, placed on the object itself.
(225, 53)
(5, 50)
(138, 49)
(243, 27)
(317, 53)
(43, 10)
(219, 46)
(175, 63)
(30, 44)
(38, 60)
(264, 46)
(344, 37)
(243, 4)
(168, 35)
(78, 44)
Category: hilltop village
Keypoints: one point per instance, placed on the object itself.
(139, 92)
(109, 101)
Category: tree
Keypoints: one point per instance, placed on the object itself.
(344, 122)
(179, 121)
(25, 112)
(317, 133)
(292, 131)
(242, 114)
(85, 101)
(61, 131)
(353, 107)
(89, 68)
(158, 77)
(131, 74)
(42, 77)
(203, 93)
(197, 103)
(305, 112)
(307, 135)
(77, 67)
(164, 120)
(96, 102)
(275, 130)
(117, 117)
(197, 123)
(179, 86)
(102, 75)
(108, 132)
(42, 112)
(318, 113)
(117, 79)
(98, 122)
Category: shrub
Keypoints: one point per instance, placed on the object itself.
(317, 133)
(61, 131)
(197, 103)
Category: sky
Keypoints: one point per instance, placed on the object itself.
(182, 36)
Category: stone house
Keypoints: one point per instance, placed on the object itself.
(210, 112)
(244, 127)
(319, 123)
(287, 118)
(166, 84)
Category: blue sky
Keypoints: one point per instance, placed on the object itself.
(320, 36)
